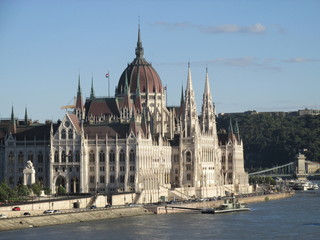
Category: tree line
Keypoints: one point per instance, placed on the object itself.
(272, 139)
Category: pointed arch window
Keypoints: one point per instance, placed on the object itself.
(188, 156)
(56, 156)
(77, 156)
(70, 134)
(122, 156)
(91, 156)
(132, 156)
(102, 156)
(63, 156)
(30, 156)
(70, 156)
(11, 158)
(63, 134)
(20, 158)
(40, 157)
(230, 158)
(111, 156)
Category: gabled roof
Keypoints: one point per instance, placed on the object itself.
(101, 106)
(75, 121)
(113, 129)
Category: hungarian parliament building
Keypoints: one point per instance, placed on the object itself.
(132, 143)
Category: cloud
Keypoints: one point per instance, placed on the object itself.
(299, 60)
(270, 64)
(225, 28)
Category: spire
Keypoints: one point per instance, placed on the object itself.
(79, 104)
(92, 95)
(182, 97)
(230, 129)
(25, 116)
(13, 128)
(207, 86)
(190, 109)
(79, 88)
(12, 114)
(236, 130)
(139, 48)
(208, 123)
(189, 82)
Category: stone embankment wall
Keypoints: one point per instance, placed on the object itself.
(63, 205)
(212, 204)
(71, 217)
(100, 214)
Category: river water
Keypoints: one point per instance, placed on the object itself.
(292, 218)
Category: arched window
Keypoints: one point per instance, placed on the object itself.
(56, 156)
(176, 171)
(11, 158)
(223, 159)
(77, 156)
(188, 157)
(91, 156)
(70, 134)
(63, 134)
(63, 156)
(102, 156)
(30, 156)
(132, 156)
(40, 157)
(122, 156)
(230, 158)
(111, 156)
(20, 158)
(70, 156)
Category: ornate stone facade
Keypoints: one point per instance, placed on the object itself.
(133, 143)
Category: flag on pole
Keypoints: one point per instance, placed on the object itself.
(107, 75)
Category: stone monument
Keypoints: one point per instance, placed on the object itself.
(29, 174)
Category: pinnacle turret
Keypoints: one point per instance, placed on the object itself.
(92, 95)
(139, 48)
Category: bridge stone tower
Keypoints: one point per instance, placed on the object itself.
(301, 167)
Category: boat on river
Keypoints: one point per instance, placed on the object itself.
(229, 205)
(305, 185)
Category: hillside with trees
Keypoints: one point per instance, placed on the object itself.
(272, 139)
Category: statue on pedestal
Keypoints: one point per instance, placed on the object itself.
(29, 174)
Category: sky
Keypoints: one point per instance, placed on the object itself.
(260, 55)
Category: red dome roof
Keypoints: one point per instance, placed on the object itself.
(140, 74)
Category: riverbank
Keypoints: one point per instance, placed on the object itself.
(212, 204)
(71, 217)
(101, 214)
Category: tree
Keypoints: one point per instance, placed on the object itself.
(61, 190)
(6, 192)
(273, 139)
(22, 191)
(47, 190)
(36, 188)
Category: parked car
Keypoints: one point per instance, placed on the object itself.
(3, 216)
(108, 206)
(16, 209)
(26, 214)
(56, 211)
(93, 207)
(48, 211)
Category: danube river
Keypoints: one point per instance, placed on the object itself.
(292, 218)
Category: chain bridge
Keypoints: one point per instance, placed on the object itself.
(300, 168)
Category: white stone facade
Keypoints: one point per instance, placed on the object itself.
(134, 145)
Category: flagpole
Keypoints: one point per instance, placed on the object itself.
(108, 84)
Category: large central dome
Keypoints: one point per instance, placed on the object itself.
(139, 76)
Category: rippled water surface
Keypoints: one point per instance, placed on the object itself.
(292, 218)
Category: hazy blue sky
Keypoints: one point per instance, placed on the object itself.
(261, 55)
